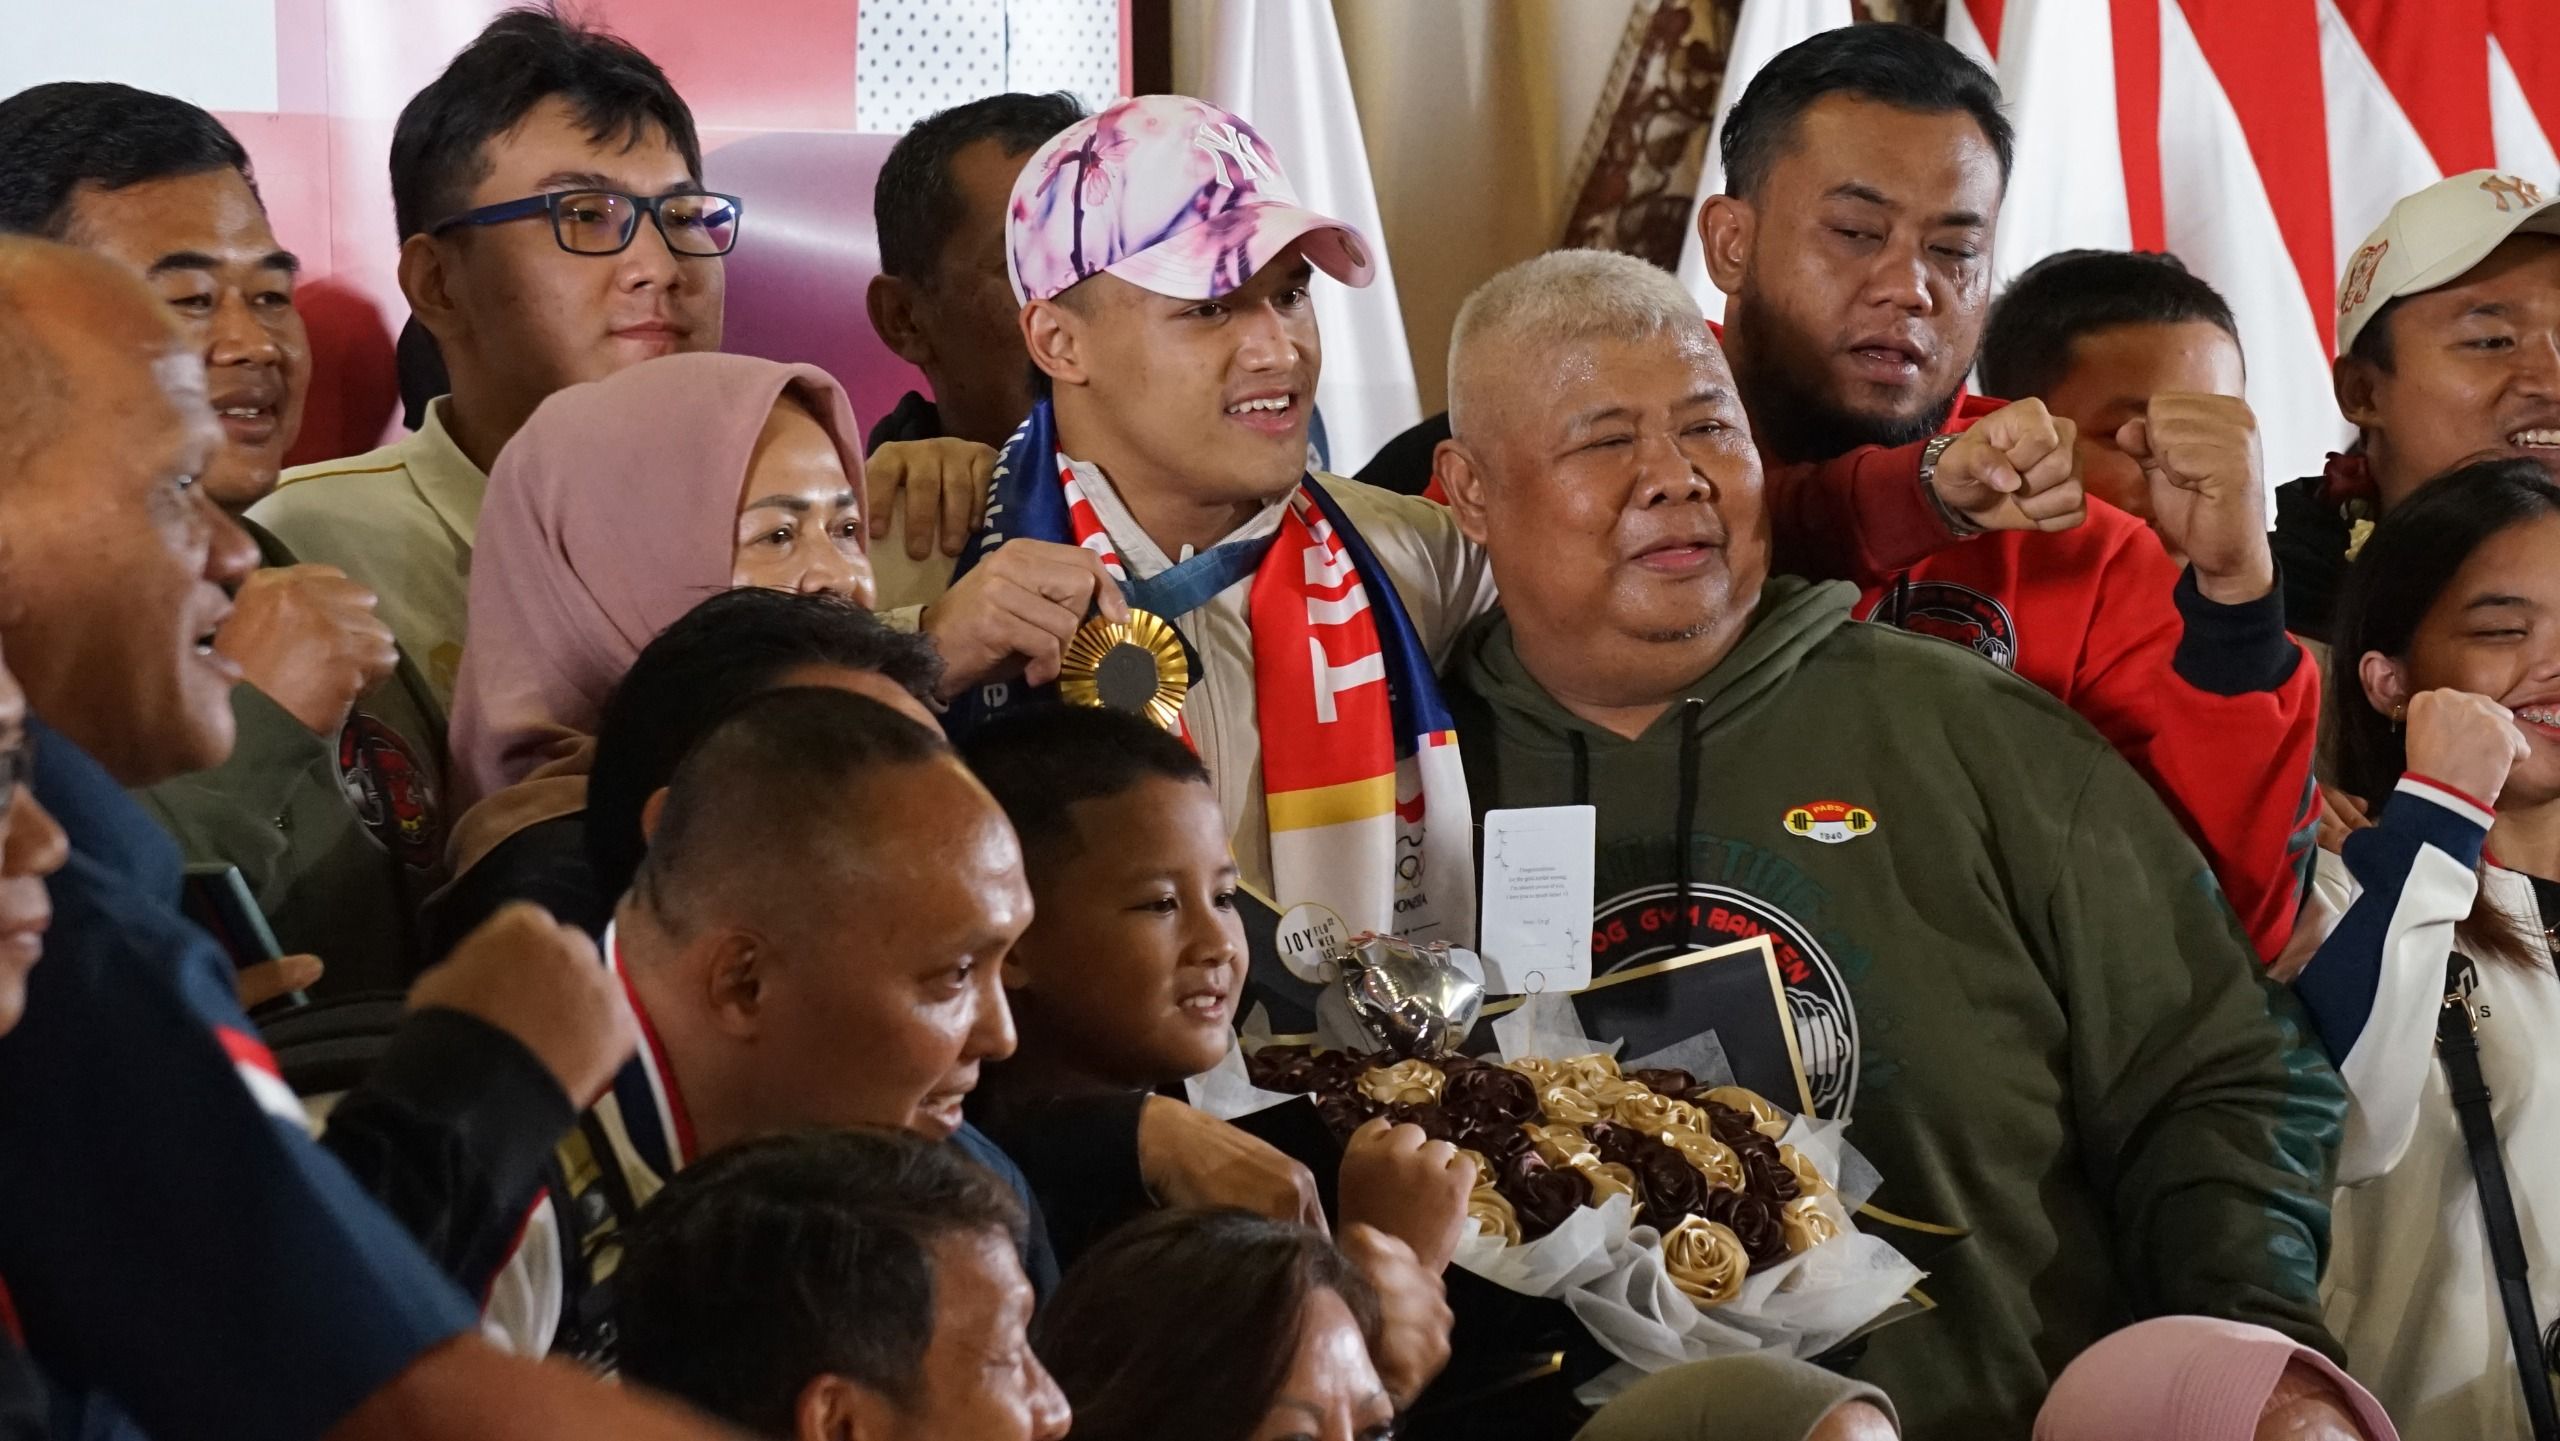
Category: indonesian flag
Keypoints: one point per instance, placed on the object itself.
(1764, 28)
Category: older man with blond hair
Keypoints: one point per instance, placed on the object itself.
(2006, 961)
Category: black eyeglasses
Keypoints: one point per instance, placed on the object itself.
(604, 222)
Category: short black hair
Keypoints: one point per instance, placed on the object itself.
(1040, 761)
(58, 137)
(770, 1264)
(2026, 344)
(769, 781)
(1899, 65)
(440, 148)
(914, 204)
(736, 645)
(2373, 343)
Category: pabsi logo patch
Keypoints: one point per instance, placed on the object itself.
(1830, 822)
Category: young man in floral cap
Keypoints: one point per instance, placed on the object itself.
(1163, 265)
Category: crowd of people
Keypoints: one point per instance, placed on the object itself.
(644, 873)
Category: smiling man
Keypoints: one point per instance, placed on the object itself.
(867, 993)
(1163, 264)
(330, 804)
(2448, 353)
(2013, 971)
(553, 229)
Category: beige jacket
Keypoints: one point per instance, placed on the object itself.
(1441, 577)
(400, 520)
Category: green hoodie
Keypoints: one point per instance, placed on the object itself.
(2005, 961)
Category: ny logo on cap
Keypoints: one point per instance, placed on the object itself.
(1221, 142)
(2527, 194)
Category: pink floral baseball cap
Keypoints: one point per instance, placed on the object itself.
(1168, 193)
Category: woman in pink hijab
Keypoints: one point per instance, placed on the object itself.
(619, 506)
(2188, 1378)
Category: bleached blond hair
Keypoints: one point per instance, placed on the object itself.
(1557, 298)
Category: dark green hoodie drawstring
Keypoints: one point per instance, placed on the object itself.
(1581, 768)
(1690, 711)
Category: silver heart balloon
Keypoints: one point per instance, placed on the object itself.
(1414, 1000)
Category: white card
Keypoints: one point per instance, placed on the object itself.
(1538, 866)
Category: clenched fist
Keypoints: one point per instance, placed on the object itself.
(307, 638)
(2465, 741)
(1409, 1186)
(542, 983)
(2199, 458)
(1016, 612)
(2017, 468)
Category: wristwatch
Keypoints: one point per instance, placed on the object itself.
(1958, 524)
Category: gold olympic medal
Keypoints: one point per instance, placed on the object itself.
(1137, 667)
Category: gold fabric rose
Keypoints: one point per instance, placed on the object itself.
(1484, 1167)
(1557, 1145)
(1764, 1117)
(1809, 1178)
(1540, 1071)
(1712, 1157)
(1406, 1083)
(1706, 1262)
(1807, 1225)
(1644, 1110)
(1606, 1092)
(1607, 1178)
(1491, 1213)
(1589, 1071)
(1566, 1106)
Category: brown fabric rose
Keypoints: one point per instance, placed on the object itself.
(1493, 1215)
(1765, 1173)
(1668, 1080)
(1406, 1083)
(1706, 1261)
(1490, 1094)
(1345, 1112)
(1807, 1225)
(1672, 1188)
(1500, 1140)
(1764, 1117)
(1543, 1196)
(1762, 1230)
(1282, 1068)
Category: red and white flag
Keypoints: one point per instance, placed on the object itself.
(2524, 87)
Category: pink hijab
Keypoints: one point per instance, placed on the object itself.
(613, 512)
(2186, 1378)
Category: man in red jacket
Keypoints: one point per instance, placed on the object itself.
(1865, 169)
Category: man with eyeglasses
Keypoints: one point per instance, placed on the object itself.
(553, 229)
